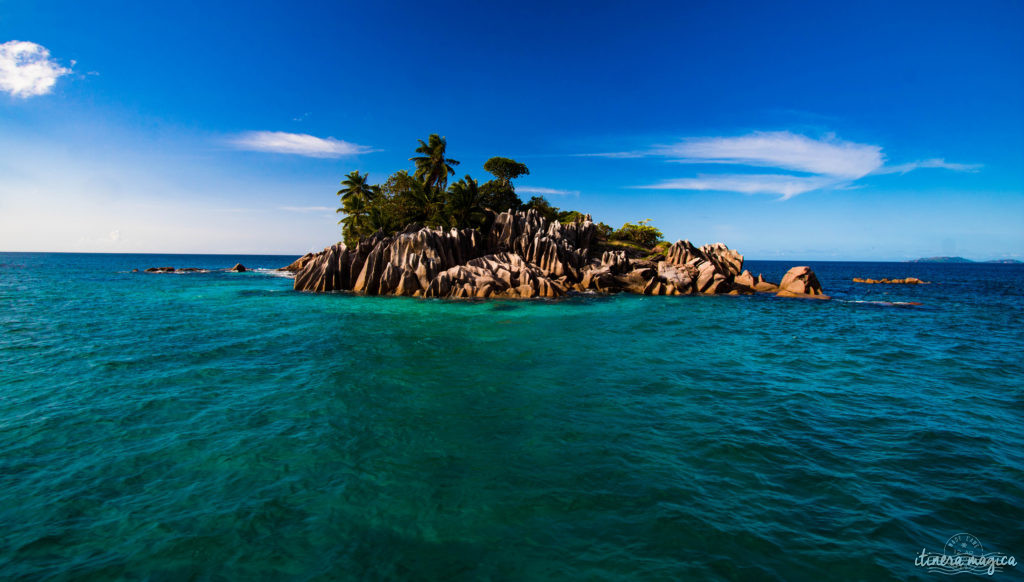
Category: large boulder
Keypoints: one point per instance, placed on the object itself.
(683, 252)
(238, 268)
(801, 282)
(713, 267)
(727, 262)
(497, 275)
(296, 265)
(680, 279)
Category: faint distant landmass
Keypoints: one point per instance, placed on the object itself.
(961, 260)
(941, 260)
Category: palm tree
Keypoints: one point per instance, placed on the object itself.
(356, 222)
(377, 219)
(432, 166)
(356, 200)
(425, 203)
(356, 186)
(464, 201)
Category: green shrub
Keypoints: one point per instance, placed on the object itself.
(640, 233)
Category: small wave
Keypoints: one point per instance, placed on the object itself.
(883, 303)
(275, 273)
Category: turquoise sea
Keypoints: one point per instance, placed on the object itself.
(218, 426)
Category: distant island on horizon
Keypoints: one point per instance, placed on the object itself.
(963, 260)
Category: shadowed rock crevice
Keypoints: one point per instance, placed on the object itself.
(523, 255)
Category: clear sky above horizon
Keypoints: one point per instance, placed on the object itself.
(853, 131)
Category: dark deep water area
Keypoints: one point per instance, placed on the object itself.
(219, 426)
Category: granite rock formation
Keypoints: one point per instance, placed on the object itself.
(801, 282)
(297, 264)
(523, 255)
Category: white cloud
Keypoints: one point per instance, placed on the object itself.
(827, 162)
(781, 149)
(785, 186)
(115, 235)
(26, 69)
(545, 191)
(301, 144)
(932, 163)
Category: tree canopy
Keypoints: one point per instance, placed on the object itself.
(425, 197)
(505, 169)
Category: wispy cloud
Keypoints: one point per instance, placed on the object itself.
(828, 156)
(26, 69)
(932, 163)
(827, 162)
(545, 191)
(301, 144)
(783, 185)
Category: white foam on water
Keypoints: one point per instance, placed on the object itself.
(274, 273)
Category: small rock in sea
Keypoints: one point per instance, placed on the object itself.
(135, 270)
(907, 281)
(160, 270)
(801, 282)
(238, 268)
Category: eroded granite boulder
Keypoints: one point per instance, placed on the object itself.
(801, 282)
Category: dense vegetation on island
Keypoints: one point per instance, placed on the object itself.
(426, 197)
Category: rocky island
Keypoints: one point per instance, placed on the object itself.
(524, 255)
(416, 235)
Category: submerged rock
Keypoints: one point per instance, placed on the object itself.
(523, 255)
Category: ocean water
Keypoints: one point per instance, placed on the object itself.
(218, 426)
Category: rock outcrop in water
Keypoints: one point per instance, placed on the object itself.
(907, 281)
(238, 268)
(523, 255)
(801, 282)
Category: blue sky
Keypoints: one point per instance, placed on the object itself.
(874, 131)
